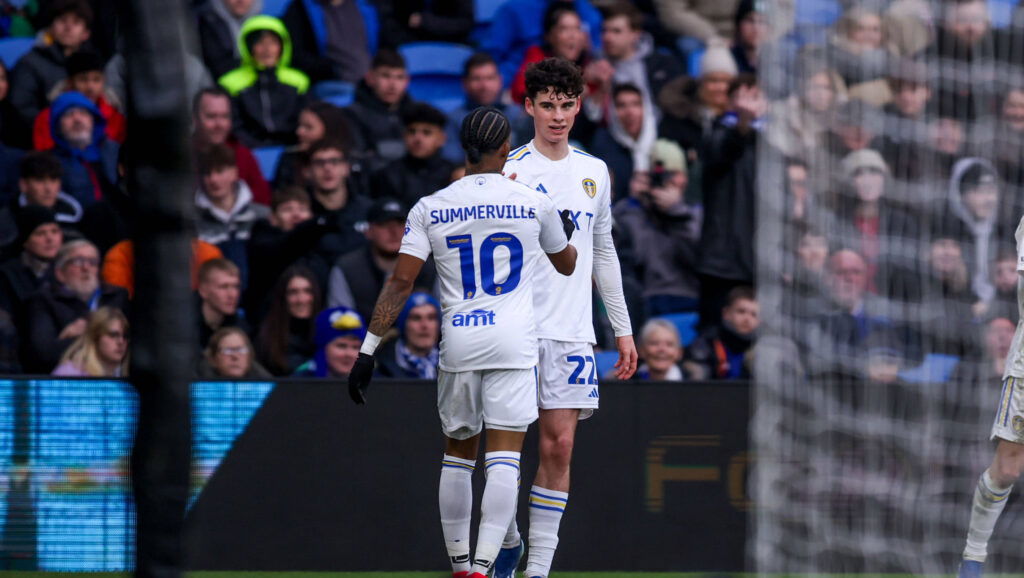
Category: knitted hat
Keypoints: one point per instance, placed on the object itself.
(668, 154)
(415, 300)
(979, 174)
(83, 61)
(331, 324)
(29, 218)
(863, 159)
(717, 58)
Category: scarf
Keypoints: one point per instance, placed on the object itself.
(641, 146)
(421, 367)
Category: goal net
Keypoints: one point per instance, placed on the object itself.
(889, 188)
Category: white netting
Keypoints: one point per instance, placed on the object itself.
(890, 184)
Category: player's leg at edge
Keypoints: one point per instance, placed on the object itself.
(455, 499)
(990, 496)
(550, 492)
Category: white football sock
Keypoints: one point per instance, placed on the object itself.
(497, 507)
(455, 497)
(512, 537)
(989, 501)
(546, 508)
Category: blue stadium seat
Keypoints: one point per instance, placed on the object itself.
(605, 362)
(686, 323)
(693, 62)
(1001, 12)
(435, 69)
(268, 157)
(817, 12)
(275, 8)
(484, 10)
(11, 49)
(936, 368)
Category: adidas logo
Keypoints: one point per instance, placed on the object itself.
(460, 559)
(483, 563)
(594, 394)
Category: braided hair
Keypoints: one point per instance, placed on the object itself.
(483, 131)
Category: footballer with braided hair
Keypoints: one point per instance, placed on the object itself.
(578, 183)
(487, 234)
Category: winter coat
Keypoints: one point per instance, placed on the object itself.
(18, 283)
(410, 179)
(119, 263)
(271, 251)
(267, 101)
(720, 353)
(683, 119)
(730, 200)
(90, 174)
(116, 129)
(378, 125)
(33, 77)
(230, 230)
(356, 281)
(346, 232)
(49, 312)
(218, 35)
(442, 21)
(305, 20)
(700, 19)
(665, 246)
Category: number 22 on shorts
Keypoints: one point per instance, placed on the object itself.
(581, 364)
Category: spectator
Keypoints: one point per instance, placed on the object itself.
(481, 81)
(856, 126)
(268, 94)
(342, 209)
(333, 40)
(317, 121)
(800, 201)
(287, 238)
(339, 333)
(967, 47)
(697, 21)
(36, 73)
(750, 30)
(380, 101)
(690, 106)
(998, 339)
(720, 352)
(664, 231)
(661, 350)
(89, 158)
(910, 26)
(85, 75)
(211, 119)
(404, 21)
(946, 298)
(805, 275)
(422, 170)
(629, 58)
(220, 289)
(28, 271)
(119, 263)
(1009, 143)
(220, 25)
(286, 333)
(563, 37)
(39, 181)
(858, 53)
(13, 130)
(9, 364)
(972, 217)
(905, 140)
(730, 166)
(1004, 281)
(358, 276)
(197, 78)
(57, 314)
(799, 122)
(626, 144)
(227, 212)
(520, 25)
(102, 350)
(230, 355)
(415, 354)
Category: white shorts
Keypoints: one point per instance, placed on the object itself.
(503, 399)
(1009, 423)
(568, 377)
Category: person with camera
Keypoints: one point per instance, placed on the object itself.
(663, 230)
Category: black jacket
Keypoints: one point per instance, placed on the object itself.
(48, 313)
(33, 78)
(410, 179)
(720, 352)
(216, 42)
(365, 280)
(347, 232)
(267, 112)
(730, 197)
(206, 332)
(17, 284)
(378, 126)
(618, 158)
(271, 251)
(443, 21)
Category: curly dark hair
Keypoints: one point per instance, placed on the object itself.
(557, 75)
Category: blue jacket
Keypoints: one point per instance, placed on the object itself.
(522, 26)
(100, 157)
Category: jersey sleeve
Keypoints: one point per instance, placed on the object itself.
(416, 242)
(603, 224)
(552, 235)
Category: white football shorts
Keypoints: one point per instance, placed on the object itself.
(467, 401)
(1009, 423)
(568, 377)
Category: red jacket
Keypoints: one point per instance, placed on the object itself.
(42, 140)
(249, 171)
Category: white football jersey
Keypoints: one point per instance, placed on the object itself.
(578, 183)
(488, 235)
(1015, 360)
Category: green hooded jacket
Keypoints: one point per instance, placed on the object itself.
(244, 76)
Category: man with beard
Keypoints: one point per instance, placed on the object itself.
(59, 313)
(88, 157)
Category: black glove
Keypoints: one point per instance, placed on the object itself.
(567, 225)
(359, 378)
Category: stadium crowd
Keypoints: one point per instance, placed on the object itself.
(899, 134)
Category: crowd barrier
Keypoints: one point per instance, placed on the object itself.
(292, 476)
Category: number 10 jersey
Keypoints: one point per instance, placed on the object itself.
(487, 234)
